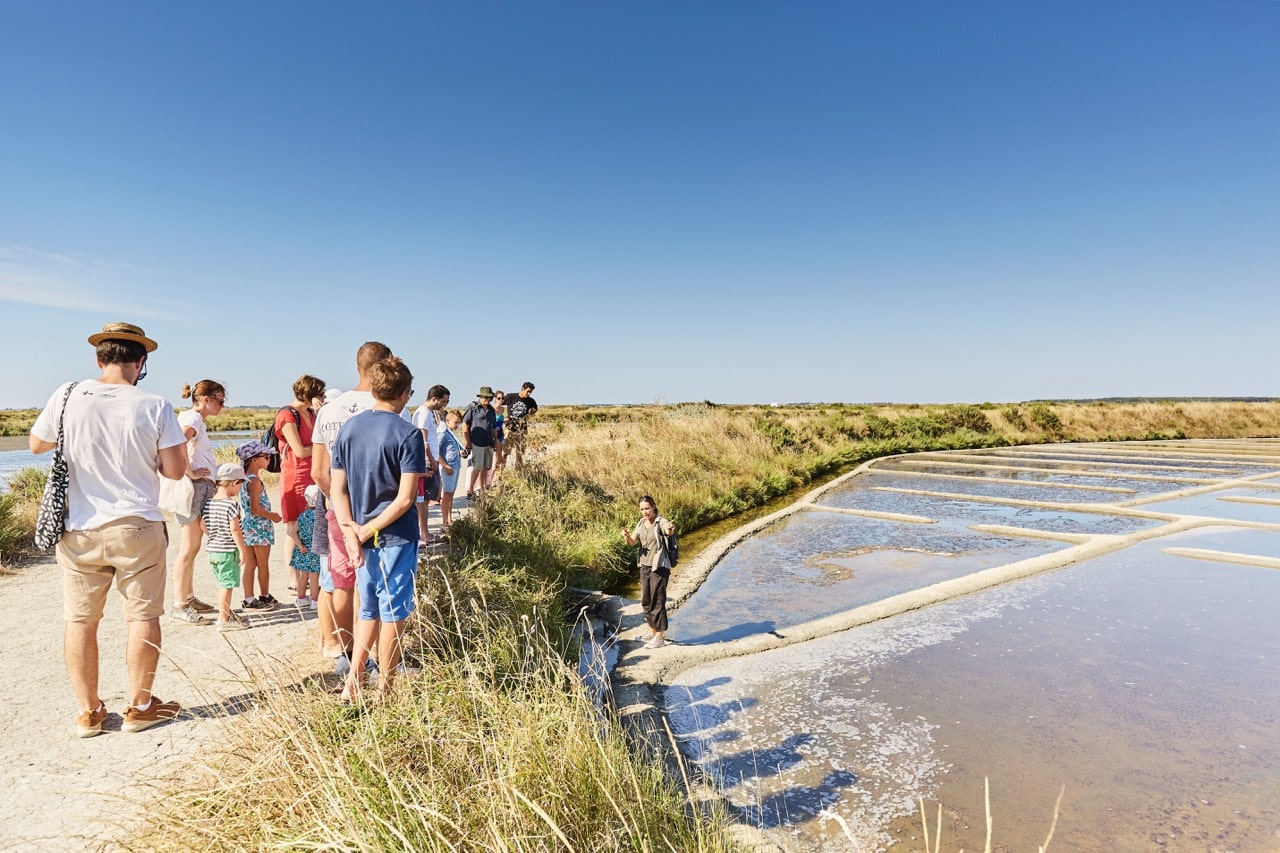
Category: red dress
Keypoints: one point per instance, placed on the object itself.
(295, 471)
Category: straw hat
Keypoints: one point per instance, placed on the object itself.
(123, 332)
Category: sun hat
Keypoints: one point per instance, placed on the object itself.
(253, 448)
(312, 494)
(331, 394)
(485, 391)
(123, 332)
(228, 472)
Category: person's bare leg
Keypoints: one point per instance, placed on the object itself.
(249, 572)
(80, 649)
(424, 516)
(184, 566)
(330, 644)
(475, 477)
(389, 654)
(344, 610)
(366, 633)
(446, 510)
(262, 556)
(143, 654)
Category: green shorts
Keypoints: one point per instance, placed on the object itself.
(226, 568)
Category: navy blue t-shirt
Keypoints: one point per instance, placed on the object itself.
(374, 448)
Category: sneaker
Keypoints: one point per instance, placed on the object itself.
(199, 606)
(235, 623)
(655, 643)
(302, 601)
(189, 615)
(269, 599)
(342, 665)
(313, 604)
(158, 711)
(259, 604)
(89, 723)
(644, 638)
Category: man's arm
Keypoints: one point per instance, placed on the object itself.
(404, 501)
(39, 445)
(173, 462)
(320, 468)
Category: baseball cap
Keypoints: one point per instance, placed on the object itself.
(228, 472)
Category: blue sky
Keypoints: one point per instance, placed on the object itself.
(742, 202)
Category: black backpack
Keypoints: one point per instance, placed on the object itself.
(270, 440)
(672, 543)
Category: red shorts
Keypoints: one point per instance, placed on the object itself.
(340, 568)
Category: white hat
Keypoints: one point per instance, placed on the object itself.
(312, 494)
(229, 472)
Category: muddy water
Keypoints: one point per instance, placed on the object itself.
(1145, 682)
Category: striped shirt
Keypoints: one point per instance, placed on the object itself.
(218, 515)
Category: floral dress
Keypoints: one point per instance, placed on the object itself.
(310, 561)
(257, 530)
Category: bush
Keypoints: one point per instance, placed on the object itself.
(1045, 418)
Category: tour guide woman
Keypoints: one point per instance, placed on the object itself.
(651, 533)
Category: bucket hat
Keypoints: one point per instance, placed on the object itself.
(485, 391)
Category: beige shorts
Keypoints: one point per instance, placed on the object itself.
(130, 551)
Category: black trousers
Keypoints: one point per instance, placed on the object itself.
(653, 596)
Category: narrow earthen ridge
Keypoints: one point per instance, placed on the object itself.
(639, 680)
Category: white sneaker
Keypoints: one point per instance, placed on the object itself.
(644, 638)
(655, 643)
(302, 601)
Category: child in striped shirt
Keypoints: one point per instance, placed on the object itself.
(221, 522)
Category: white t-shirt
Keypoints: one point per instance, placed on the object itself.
(113, 438)
(338, 411)
(199, 447)
(424, 419)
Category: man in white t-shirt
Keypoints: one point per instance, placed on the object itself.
(336, 608)
(430, 418)
(118, 440)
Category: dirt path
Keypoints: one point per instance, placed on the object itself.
(67, 793)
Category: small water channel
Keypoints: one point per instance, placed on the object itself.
(1144, 680)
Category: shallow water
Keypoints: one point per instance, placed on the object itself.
(814, 564)
(1147, 683)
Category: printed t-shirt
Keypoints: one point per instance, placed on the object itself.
(375, 448)
(199, 448)
(337, 412)
(113, 436)
(518, 410)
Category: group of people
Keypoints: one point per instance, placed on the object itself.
(352, 467)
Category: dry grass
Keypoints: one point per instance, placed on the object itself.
(493, 745)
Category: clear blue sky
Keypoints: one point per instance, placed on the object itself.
(621, 201)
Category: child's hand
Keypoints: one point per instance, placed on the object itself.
(448, 469)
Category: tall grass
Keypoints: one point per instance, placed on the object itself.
(492, 745)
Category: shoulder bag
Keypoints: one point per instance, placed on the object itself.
(51, 521)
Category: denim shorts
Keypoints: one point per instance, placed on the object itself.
(385, 582)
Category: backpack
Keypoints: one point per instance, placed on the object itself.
(671, 544)
(270, 440)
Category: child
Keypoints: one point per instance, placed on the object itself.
(450, 467)
(303, 560)
(221, 523)
(259, 526)
(378, 458)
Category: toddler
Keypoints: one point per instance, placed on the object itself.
(221, 523)
(304, 560)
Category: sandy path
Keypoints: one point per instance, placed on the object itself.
(68, 793)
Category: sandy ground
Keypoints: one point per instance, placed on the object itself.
(68, 793)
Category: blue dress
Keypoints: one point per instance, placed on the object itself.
(310, 561)
(257, 530)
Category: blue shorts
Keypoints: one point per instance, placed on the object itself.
(385, 582)
(449, 482)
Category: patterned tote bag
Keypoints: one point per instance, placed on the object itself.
(51, 521)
